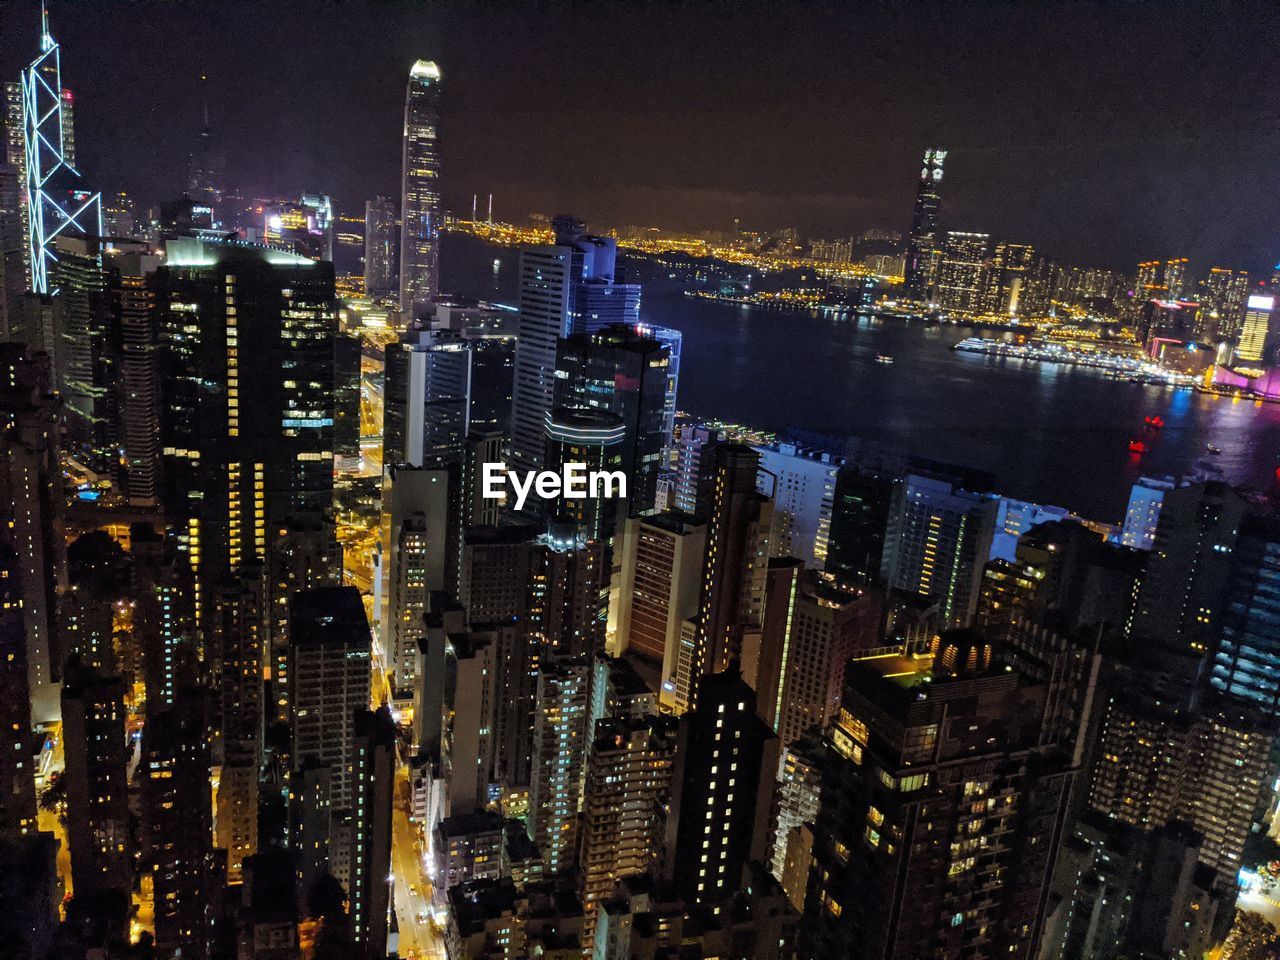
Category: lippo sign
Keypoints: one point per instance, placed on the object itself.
(573, 482)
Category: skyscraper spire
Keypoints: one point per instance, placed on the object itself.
(46, 38)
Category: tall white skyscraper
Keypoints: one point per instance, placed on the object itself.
(421, 208)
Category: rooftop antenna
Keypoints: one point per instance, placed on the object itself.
(46, 39)
(204, 79)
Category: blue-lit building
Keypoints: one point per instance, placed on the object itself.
(569, 286)
(1247, 663)
(55, 201)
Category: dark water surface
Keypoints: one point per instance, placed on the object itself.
(1050, 433)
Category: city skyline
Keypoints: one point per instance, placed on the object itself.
(906, 596)
(826, 147)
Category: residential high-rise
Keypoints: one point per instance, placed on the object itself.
(31, 515)
(722, 791)
(924, 240)
(420, 554)
(795, 806)
(618, 369)
(177, 826)
(938, 538)
(1142, 515)
(692, 494)
(1181, 601)
(1156, 763)
(565, 287)
(380, 241)
(660, 558)
(1223, 293)
(471, 705)
(810, 633)
(373, 785)
(962, 273)
(942, 809)
(1012, 287)
(628, 787)
(421, 204)
(98, 830)
(731, 601)
(559, 758)
(802, 485)
(330, 663)
(57, 203)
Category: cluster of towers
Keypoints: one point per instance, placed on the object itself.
(285, 679)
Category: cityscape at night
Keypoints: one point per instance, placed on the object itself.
(744, 481)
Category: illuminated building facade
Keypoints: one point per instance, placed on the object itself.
(802, 485)
(421, 205)
(923, 254)
(1256, 332)
(596, 438)
(941, 810)
(380, 242)
(722, 791)
(31, 515)
(617, 369)
(938, 537)
(567, 287)
(962, 272)
(1142, 515)
(246, 368)
(734, 569)
(56, 202)
(304, 226)
(1223, 293)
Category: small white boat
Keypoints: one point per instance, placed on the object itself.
(883, 358)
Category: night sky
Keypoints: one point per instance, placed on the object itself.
(1103, 134)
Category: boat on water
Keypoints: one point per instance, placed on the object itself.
(1212, 449)
(883, 358)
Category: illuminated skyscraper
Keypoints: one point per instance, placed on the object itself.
(1012, 288)
(615, 368)
(941, 810)
(421, 206)
(922, 242)
(31, 512)
(1222, 297)
(57, 203)
(731, 603)
(962, 273)
(566, 287)
(380, 247)
(1259, 309)
(248, 329)
(938, 538)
